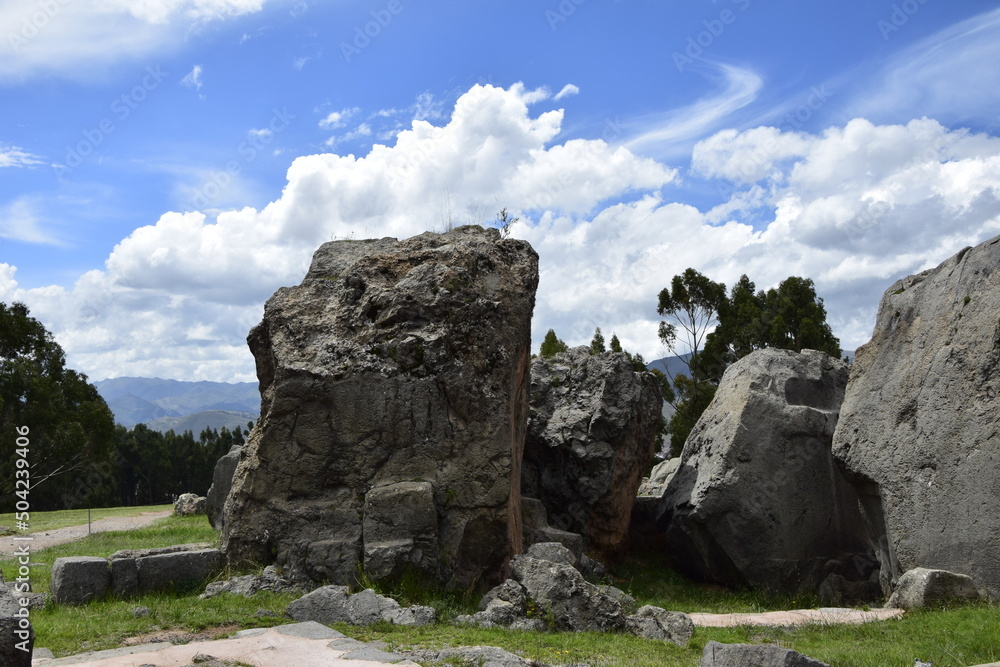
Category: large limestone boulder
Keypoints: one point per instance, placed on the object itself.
(394, 384)
(592, 433)
(919, 432)
(222, 483)
(757, 498)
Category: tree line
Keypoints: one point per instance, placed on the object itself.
(709, 328)
(76, 455)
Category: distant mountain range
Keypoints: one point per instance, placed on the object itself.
(182, 406)
(194, 406)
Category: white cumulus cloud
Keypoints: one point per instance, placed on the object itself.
(852, 207)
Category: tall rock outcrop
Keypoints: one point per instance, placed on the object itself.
(394, 384)
(591, 437)
(919, 433)
(222, 484)
(757, 498)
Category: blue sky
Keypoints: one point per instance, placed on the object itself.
(166, 165)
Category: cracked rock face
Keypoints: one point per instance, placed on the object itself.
(757, 498)
(394, 384)
(919, 433)
(592, 433)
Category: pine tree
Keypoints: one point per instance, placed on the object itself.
(551, 346)
(597, 343)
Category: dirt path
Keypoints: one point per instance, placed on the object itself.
(50, 538)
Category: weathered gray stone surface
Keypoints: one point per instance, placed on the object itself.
(393, 361)
(124, 578)
(570, 601)
(335, 604)
(326, 605)
(477, 656)
(553, 595)
(919, 432)
(177, 570)
(659, 478)
(553, 552)
(17, 638)
(190, 504)
(592, 433)
(400, 530)
(222, 484)
(79, 579)
(129, 572)
(484, 656)
(921, 587)
(758, 655)
(250, 584)
(757, 499)
(536, 526)
(158, 551)
(659, 624)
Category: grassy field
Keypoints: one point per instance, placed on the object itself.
(45, 521)
(950, 637)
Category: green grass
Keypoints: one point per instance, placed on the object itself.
(954, 637)
(45, 521)
(648, 577)
(163, 533)
(105, 624)
(950, 638)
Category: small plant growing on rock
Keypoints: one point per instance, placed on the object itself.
(504, 222)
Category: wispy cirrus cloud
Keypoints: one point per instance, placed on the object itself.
(82, 39)
(675, 131)
(940, 76)
(193, 78)
(20, 221)
(15, 156)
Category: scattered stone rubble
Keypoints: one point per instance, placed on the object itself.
(546, 592)
(335, 604)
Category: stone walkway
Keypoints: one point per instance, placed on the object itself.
(307, 644)
(825, 615)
